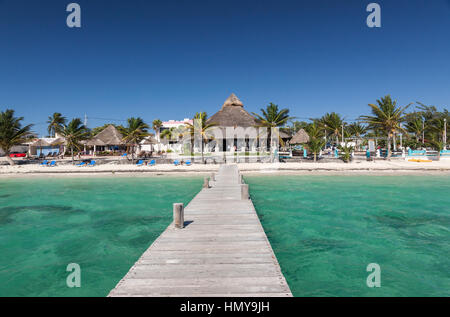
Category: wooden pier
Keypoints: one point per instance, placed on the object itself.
(221, 251)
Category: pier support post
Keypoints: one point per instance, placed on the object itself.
(244, 192)
(178, 215)
(206, 182)
(213, 177)
(241, 179)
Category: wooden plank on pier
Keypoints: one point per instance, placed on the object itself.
(222, 251)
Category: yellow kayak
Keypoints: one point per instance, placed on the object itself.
(419, 160)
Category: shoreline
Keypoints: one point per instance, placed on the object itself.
(252, 169)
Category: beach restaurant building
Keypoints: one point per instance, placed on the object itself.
(234, 129)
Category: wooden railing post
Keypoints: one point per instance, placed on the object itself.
(178, 215)
(206, 182)
(244, 192)
(213, 177)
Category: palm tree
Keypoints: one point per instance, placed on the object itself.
(12, 133)
(202, 128)
(415, 125)
(357, 130)
(333, 124)
(134, 133)
(438, 145)
(174, 133)
(55, 122)
(346, 152)
(316, 141)
(273, 118)
(74, 133)
(388, 117)
(437, 126)
(156, 125)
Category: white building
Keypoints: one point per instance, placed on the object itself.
(172, 145)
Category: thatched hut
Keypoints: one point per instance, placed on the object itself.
(301, 137)
(233, 114)
(149, 141)
(232, 123)
(109, 139)
(110, 136)
(40, 147)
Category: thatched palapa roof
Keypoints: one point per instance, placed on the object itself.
(95, 141)
(149, 140)
(284, 135)
(232, 114)
(109, 136)
(59, 141)
(40, 143)
(300, 137)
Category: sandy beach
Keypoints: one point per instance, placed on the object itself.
(355, 167)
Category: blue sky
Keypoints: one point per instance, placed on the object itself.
(170, 59)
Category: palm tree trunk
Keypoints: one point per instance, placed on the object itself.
(315, 157)
(71, 150)
(203, 159)
(192, 149)
(389, 147)
(9, 159)
(395, 142)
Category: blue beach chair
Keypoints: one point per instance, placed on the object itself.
(52, 164)
(92, 163)
(140, 163)
(124, 154)
(44, 163)
(152, 163)
(188, 163)
(176, 163)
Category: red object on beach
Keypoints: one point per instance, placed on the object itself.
(17, 154)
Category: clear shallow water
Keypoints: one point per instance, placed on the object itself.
(325, 230)
(103, 224)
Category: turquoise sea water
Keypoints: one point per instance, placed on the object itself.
(103, 224)
(325, 230)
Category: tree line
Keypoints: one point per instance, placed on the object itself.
(425, 126)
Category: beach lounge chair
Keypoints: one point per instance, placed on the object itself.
(188, 163)
(81, 164)
(123, 155)
(92, 163)
(152, 163)
(52, 164)
(44, 163)
(140, 163)
(176, 163)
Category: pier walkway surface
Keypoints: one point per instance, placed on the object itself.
(222, 250)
